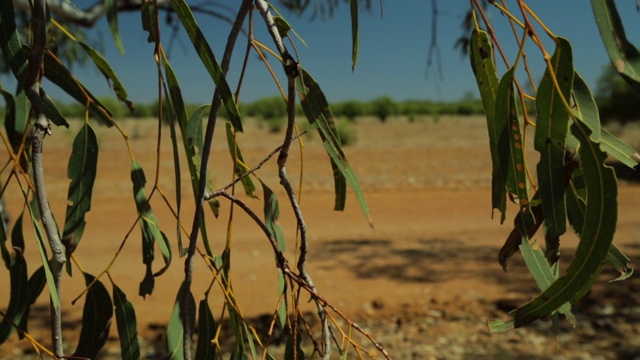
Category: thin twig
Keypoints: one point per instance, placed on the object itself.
(283, 265)
(42, 127)
(292, 71)
(249, 172)
(202, 185)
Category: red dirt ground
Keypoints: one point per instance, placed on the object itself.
(432, 254)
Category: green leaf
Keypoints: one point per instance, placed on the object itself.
(620, 262)
(510, 149)
(7, 258)
(149, 20)
(355, 38)
(15, 123)
(283, 25)
(96, 319)
(318, 113)
(250, 340)
(624, 56)
(271, 216)
(192, 141)
(35, 214)
(208, 60)
(293, 348)
(206, 332)
(16, 56)
(82, 169)
(112, 19)
(551, 133)
(484, 69)
(239, 168)
(585, 107)
(127, 325)
(18, 282)
(575, 212)
(282, 309)
(36, 284)
(178, 185)
(176, 101)
(619, 149)
(58, 74)
(108, 72)
(543, 274)
(595, 237)
(10, 41)
(151, 233)
(175, 328)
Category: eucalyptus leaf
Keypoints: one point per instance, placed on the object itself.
(96, 319)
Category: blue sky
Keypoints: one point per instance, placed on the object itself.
(392, 61)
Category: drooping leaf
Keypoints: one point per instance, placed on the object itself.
(543, 274)
(18, 282)
(355, 38)
(7, 258)
(283, 26)
(293, 348)
(149, 20)
(10, 41)
(108, 72)
(206, 332)
(510, 149)
(151, 233)
(208, 60)
(58, 74)
(192, 141)
(35, 215)
(282, 309)
(36, 284)
(112, 19)
(318, 113)
(16, 56)
(82, 169)
(481, 55)
(595, 237)
(619, 149)
(551, 133)
(250, 340)
(15, 123)
(576, 213)
(271, 216)
(127, 325)
(239, 167)
(585, 107)
(98, 60)
(620, 262)
(178, 185)
(96, 319)
(624, 56)
(175, 328)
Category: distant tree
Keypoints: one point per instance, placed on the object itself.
(383, 107)
(350, 109)
(617, 100)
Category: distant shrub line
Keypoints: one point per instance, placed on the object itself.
(272, 109)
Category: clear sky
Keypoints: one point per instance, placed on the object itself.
(393, 52)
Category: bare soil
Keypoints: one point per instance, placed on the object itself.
(423, 282)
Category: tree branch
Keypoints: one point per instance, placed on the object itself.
(67, 11)
(42, 127)
(292, 70)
